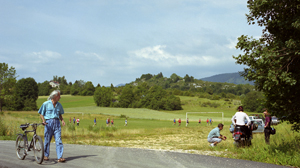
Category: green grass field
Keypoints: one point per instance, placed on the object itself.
(85, 104)
(153, 129)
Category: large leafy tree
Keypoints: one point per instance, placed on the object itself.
(88, 89)
(127, 96)
(26, 94)
(44, 88)
(7, 82)
(252, 101)
(273, 60)
(103, 96)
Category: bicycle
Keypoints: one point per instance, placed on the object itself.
(22, 146)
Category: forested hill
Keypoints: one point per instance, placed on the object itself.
(228, 78)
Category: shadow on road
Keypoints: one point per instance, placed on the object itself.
(52, 161)
(78, 157)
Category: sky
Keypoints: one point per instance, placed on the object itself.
(116, 41)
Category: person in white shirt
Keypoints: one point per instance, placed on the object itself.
(239, 119)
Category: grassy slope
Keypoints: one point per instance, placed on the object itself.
(85, 104)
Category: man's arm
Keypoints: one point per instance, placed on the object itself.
(62, 120)
(43, 119)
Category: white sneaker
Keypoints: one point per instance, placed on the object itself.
(212, 145)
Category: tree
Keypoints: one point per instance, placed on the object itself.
(174, 78)
(253, 101)
(127, 97)
(88, 89)
(7, 82)
(146, 76)
(103, 96)
(26, 94)
(273, 60)
(44, 88)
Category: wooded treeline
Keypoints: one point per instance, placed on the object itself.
(149, 91)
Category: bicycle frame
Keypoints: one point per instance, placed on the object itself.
(32, 143)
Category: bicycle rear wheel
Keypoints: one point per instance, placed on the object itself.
(38, 149)
(20, 147)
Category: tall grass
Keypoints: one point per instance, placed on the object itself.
(284, 148)
(8, 128)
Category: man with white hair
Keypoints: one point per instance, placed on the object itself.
(51, 112)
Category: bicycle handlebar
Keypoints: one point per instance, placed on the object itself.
(34, 125)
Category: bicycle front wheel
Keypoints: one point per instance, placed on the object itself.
(38, 149)
(20, 147)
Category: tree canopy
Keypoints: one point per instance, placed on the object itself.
(103, 96)
(273, 60)
(7, 82)
(26, 94)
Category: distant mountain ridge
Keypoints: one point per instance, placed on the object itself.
(235, 78)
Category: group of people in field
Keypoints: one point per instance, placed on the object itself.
(74, 120)
(51, 112)
(109, 122)
(208, 121)
(214, 137)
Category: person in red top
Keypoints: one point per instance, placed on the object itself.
(207, 121)
(199, 121)
(108, 121)
(179, 122)
(112, 122)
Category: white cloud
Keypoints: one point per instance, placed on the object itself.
(89, 55)
(42, 57)
(232, 43)
(161, 57)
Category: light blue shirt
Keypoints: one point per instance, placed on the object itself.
(214, 132)
(49, 111)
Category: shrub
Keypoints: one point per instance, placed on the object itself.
(123, 116)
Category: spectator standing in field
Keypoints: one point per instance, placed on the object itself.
(77, 121)
(187, 122)
(199, 121)
(51, 112)
(106, 122)
(74, 121)
(174, 121)
(112, 122)
(95, 121)
(70, 120)
(214, 137)
(210, 121)
(179, 122)
(125, 122)
(268, 128)
(207, 121)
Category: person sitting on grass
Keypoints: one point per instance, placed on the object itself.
(214, 137)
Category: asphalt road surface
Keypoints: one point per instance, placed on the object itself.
(85, 156)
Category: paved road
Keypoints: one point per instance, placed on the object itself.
(113, 157)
